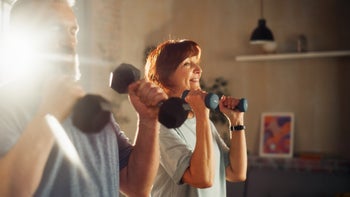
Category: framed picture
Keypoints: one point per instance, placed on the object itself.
(276, 134)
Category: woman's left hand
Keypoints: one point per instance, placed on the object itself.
(227, 105)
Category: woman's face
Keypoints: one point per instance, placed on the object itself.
(186, 76)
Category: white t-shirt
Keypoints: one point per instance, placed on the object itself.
(176, 147)
(102, 154)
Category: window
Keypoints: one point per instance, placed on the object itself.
(4, 19)
(4, 15)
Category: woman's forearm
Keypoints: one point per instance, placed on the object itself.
(237, 169)
(201, 170)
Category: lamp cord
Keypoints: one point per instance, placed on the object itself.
(262, 8)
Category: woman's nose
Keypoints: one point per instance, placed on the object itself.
(197, 68)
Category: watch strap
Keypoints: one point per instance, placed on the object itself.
(237, 128)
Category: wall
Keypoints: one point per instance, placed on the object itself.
(316, 90)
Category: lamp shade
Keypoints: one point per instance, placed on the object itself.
(261, 34)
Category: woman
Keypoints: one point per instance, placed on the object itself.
(194, 159)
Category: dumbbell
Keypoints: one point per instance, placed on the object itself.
(91, 113)
(242, 105)
(211, 101)
(172, 112)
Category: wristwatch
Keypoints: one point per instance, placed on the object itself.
(237, 128)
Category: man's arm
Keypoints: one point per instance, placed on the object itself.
(136, 179)
(22, 167)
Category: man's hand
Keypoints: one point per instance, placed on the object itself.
(59, 96)
(145, 97)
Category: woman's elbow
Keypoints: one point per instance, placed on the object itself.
(237, 178)
(132, 192)
(199, 181)
(203, 184)
(241, 178)
(207, 182)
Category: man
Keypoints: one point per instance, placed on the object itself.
(32, 163)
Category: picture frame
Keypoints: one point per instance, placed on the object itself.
(276, 134)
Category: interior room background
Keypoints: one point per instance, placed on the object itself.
(316, 90)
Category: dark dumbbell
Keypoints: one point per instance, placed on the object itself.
(91, 113)
(172, 112)
(212, 102)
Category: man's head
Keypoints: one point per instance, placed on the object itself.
(50, 28)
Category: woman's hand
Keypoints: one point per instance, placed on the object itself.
(196, 100)
(227, 106)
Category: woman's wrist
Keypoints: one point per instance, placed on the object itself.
(237, 121)
(237, 128)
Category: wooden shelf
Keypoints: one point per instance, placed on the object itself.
(284, 56)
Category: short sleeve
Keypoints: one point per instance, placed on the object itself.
(8, 136)
(11, 125)
(222, 145)
(175, 154)
(124, 146)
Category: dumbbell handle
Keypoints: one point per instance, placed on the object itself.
(212, 102)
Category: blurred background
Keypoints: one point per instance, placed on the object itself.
(312, 82)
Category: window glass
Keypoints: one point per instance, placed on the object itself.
(4, 15)
(4, 20)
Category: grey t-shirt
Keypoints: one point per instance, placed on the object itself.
(102, 155)
(176, 148)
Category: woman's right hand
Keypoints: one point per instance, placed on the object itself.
(196, 99)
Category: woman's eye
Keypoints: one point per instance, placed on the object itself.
(187, 64)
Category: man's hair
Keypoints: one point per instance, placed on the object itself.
(26, 11)
(22, 2)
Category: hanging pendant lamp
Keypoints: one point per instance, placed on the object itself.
(262, 34)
